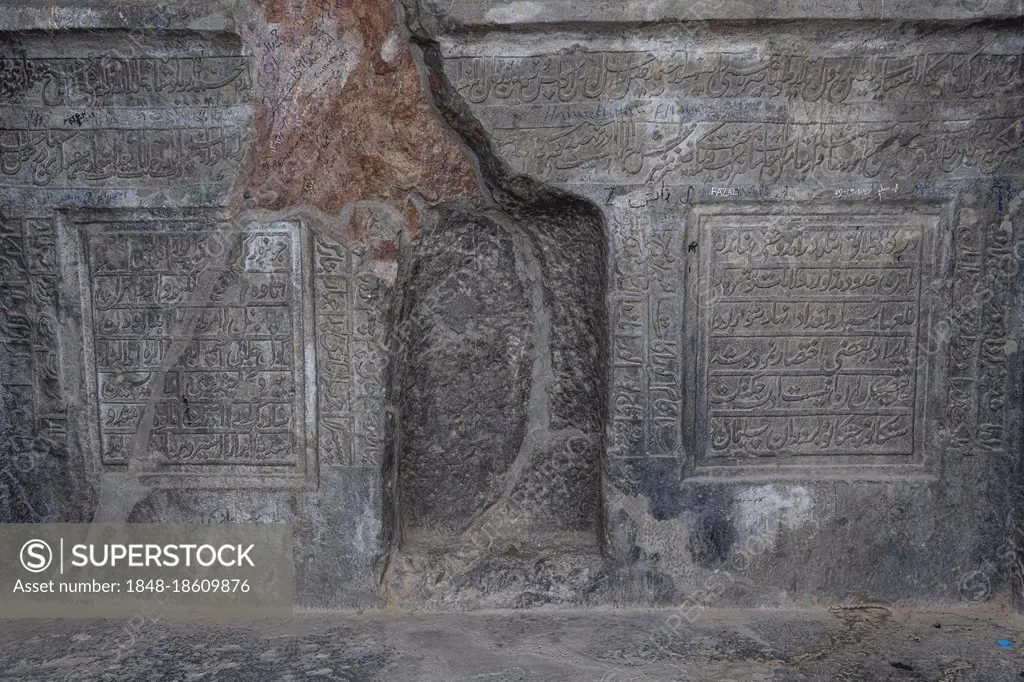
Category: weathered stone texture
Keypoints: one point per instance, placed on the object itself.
(467, 334)
(811, 282)
(498, 405)
(36, 479)
(742, 297)
(171, 351)
(225, 364)
(341, 115)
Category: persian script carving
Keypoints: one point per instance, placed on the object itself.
(634, 151)
(116, 119)
(580, 76)
(977, 396)
(222, 370)
(67, 157)
(810, 335)
(646, 401)
(351, 356)
(113, 80)
(29, 329)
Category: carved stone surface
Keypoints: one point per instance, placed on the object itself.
(494, 457)
(812, 336)
(743, 297)
(647, 357)
(467, 339)
(237, 356)
(122, 110)
(554, 12)
(350, 327)
(485, 362)
(813, 264)
(170, 353)
(737, 108)
(203, 326)
(35, 422)
(112, 117)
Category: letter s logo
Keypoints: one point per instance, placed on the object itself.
(36, 556)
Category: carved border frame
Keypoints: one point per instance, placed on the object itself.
(936, 279)
(304, 474)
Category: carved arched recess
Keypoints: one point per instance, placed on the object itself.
(500, 404)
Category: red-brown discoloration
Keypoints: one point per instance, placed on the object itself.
(327, 135)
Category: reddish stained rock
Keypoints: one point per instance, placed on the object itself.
(341, 112)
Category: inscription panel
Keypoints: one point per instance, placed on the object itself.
(811, 337)
(730, 105)
(349, 303)
(842, 201)
(223, 355)
(195, 333)
(646, 303)
(650, 152)
(980, 334)
(34, 424)
(101, 118)
(664, 128)
(578, 75)
(28, 326)
(122, 109)
(486, 13)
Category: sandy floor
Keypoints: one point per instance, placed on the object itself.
(866, 643)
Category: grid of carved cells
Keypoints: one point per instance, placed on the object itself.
(28, 330)
(180, 318)
(811, 337)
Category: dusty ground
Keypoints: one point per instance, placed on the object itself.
(867, 643)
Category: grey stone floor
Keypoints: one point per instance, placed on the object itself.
(865, 643)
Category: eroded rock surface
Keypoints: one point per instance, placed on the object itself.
(812, 227)
(516, 304)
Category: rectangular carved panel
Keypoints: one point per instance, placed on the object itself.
(29, 329)
(196, 342)
(352, 358)
(738, 106)
(109, 110)
(560, 13)
(579, 76)
(979, 333)
(646, 403)
(812, 332)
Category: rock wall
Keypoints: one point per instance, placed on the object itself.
(812, 276)
(516, 304)
(201, 207)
